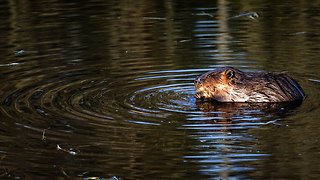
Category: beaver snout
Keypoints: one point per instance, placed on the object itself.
(198, 81)
(201, 96)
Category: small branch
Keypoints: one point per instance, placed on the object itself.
(65, 150)
(43, 134)
(251, 15)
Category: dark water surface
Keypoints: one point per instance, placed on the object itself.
(104, 89)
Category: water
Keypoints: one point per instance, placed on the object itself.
(105, 90)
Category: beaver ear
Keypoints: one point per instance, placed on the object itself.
(229, 73)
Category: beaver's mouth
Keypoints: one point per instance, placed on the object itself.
(199, 95)
(199, 91)
(203, 97)
(203, 93)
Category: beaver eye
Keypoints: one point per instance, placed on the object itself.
(229, 73)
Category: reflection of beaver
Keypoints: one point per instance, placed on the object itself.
(227, 108)
(232, 85)
(228, 113)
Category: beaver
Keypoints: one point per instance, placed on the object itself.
(229, 84)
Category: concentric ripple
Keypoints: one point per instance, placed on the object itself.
(133, 98)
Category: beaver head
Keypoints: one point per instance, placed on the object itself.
(221, 84)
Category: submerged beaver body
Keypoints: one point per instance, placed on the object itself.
(232, 85)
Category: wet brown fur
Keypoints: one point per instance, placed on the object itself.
(229, 84)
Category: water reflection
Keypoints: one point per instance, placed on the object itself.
(225, 145)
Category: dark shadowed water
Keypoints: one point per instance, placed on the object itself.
(104, 89)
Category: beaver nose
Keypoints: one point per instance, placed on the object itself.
(197, 81)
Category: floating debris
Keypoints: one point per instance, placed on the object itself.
(274, 122)
(154, 18)
(43, 134)
(65, 150)
(315, 80)
(9, 64)
(185, 40)
(299, 33)
(20, 52)
(206, 14)
(64, 172)
(251, 15)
